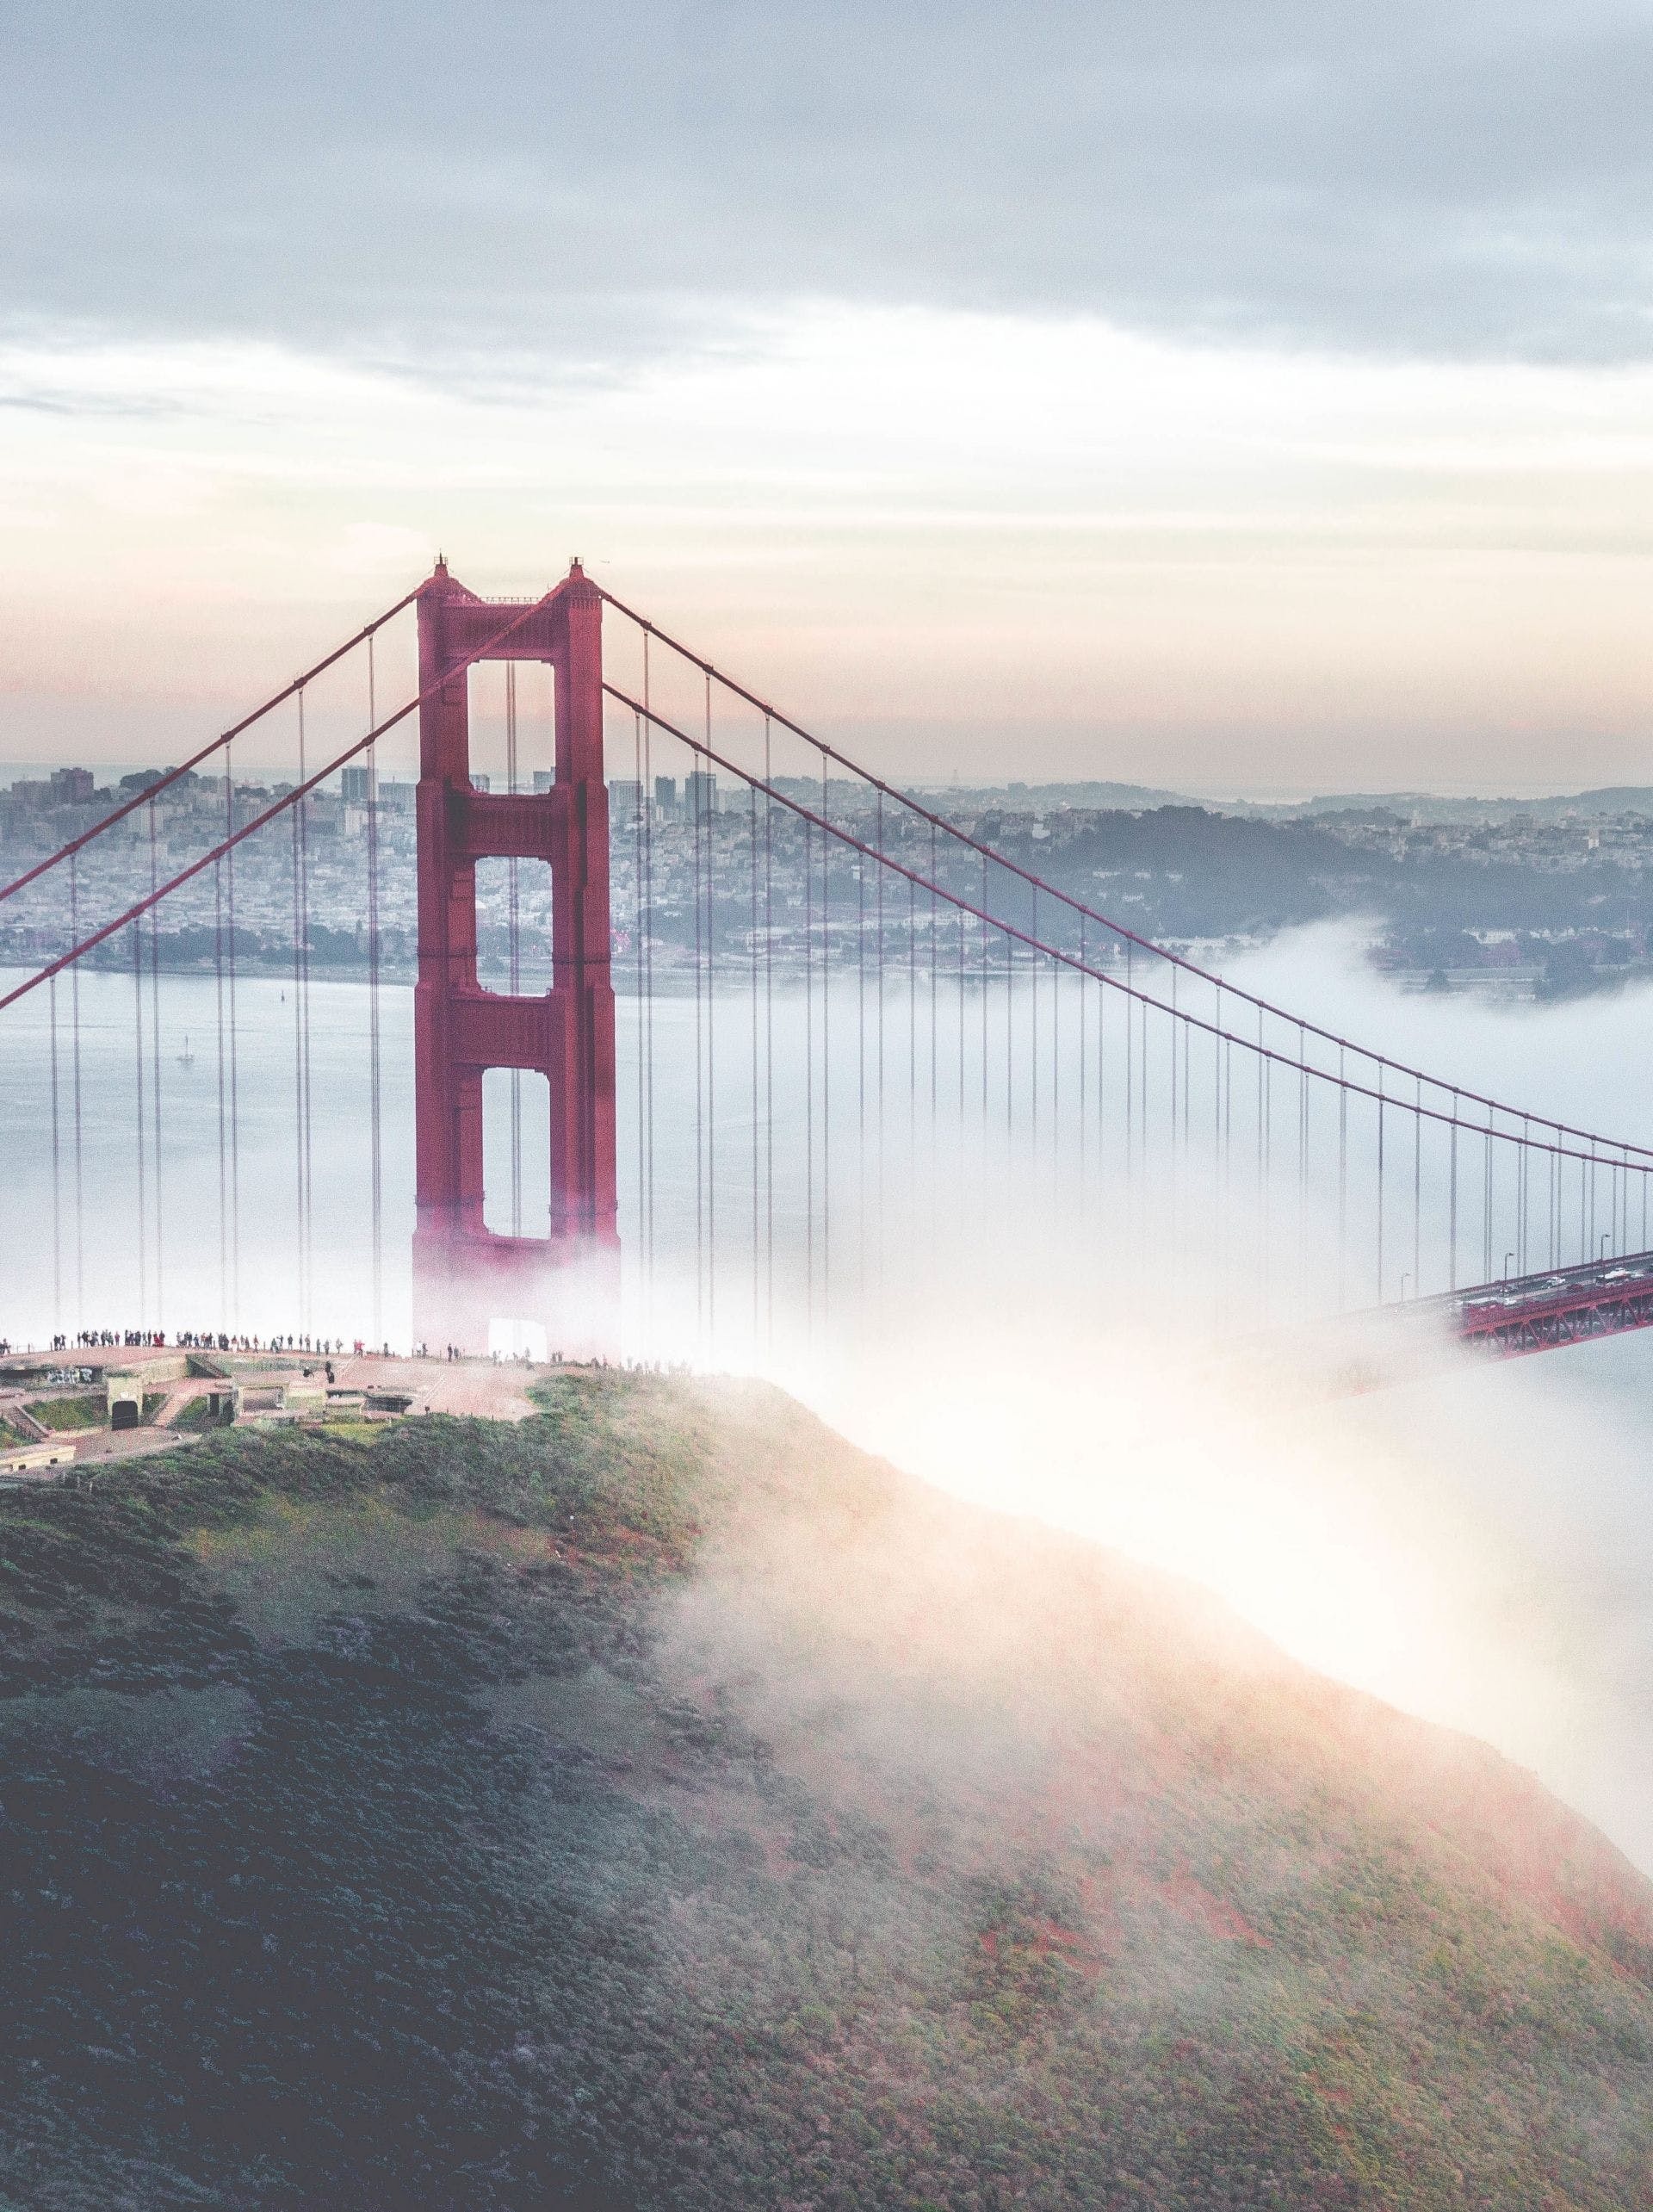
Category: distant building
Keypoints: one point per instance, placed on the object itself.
(72, 786)
(355, 786)
(543, 779)
(625, 797)
(665, 798)
(699, 794)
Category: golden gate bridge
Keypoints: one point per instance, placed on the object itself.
(869, 1059)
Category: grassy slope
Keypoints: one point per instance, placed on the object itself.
(659, 1804)
(88, 1411)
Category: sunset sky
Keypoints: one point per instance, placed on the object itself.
(1232, 398)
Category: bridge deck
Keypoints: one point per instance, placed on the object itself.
(1355, 1353)
(1566, 1305)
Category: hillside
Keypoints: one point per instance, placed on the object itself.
(660, 1805)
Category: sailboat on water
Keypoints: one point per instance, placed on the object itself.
(186, 1058)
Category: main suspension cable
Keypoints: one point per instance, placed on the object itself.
(215, 745)
(285, 804)
(966, 838)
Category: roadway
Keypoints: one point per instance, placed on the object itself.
(1539, 1313)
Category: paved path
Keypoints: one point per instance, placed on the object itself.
(472, 1387)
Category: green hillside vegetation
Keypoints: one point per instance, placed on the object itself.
(88, 1411)
(659, 1804)
(197, 1413)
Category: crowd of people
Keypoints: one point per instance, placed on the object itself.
(192, 1340)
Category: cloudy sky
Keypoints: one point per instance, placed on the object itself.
(1235, 393)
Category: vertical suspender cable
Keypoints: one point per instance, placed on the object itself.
(912, 1041)
(1102, 1094)
(1143, 1100)
(514, 953)
(696, 789)
(307, 1173)
(57, 1169)
(1342, 1183)
(1033, 1027)
(1220, 1239)
(1624, 1186)
(1084, 1073)
(376, 1061)
(984, 956)
(860, 1072)
(647, 1043)
(298, 1040)
(1220, 1063)
(639, 926)
(1172, 1024)
(934, 1174)
(757, 1210)
(1057, 975)
(74, 1019)
(298, 1067)
(1622, 1172)
(155, 1054)
(1303, 1158)
(1130, 1077)
(303, 813)
(1381, 1104)
(1010, 1062)
(143, 1134)
(1417, 1186)
(711, 1035)
(881, 1134)
(826, 1053)
(235, 1068)
(1262, 1190)
(958, 923)
(768, 1045)
(223, 1133)
(912, 1077)
(1268, 1170)
(808, 1082)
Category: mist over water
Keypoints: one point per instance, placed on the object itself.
(1477, 1546)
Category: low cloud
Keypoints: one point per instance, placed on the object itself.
(1471, 182)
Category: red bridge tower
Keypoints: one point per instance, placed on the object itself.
(466, 1275)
